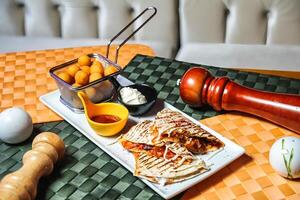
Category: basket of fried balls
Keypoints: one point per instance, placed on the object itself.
(85, 71)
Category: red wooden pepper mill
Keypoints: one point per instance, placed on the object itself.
(199, 87)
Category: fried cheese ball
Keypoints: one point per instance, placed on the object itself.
(95, 76)
(82, 78)
(97, 67)
(85, 69)
(66, 77)
(84, 60)
(73, 69)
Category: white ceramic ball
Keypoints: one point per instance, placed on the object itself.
(15, 125)
(284, 157)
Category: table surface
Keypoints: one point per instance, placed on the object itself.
(288, 74)
(89, 173)
(251, 176)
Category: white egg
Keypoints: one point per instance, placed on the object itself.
(284, 157)
(15, 125)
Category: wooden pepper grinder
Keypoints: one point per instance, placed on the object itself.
(47, 148)
(199, 87)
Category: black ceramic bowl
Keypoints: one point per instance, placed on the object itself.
(150, 94)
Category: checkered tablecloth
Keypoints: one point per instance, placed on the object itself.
(88, 173)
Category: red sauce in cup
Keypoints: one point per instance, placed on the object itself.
(106, 119)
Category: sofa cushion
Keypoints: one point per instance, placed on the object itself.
(269, 57)
(95, 19)
(240, 21)
(20, 43)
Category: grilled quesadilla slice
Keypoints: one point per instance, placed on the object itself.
(158, 161)
(141, 133)
(167, 171)
(171, 126)
(140, 139)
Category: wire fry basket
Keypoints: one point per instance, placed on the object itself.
(104, 88)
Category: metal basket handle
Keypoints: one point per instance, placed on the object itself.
(134, 32)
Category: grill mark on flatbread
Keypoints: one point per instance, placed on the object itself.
(142, 133)
(163, 166)
(166, 169)
(150, 162)
(155, 163)
(167, 121)
(143, 156)
(158, 163)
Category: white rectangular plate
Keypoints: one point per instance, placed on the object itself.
(216, 160)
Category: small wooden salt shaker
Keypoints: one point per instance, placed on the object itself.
(47, 149)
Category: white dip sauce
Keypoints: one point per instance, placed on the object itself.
(132, 96)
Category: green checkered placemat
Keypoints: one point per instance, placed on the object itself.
(87, 172)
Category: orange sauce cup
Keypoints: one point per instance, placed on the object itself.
(92, 110)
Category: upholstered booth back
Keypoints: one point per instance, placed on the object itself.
(86, 18)
(228, 33)
(240, 21)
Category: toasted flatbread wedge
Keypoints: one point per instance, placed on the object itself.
(167, 171)
(160, 162)
(141, 133)
(140, 139)
(171, 126)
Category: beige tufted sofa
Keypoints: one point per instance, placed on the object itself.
(262, 34)
(42, 24)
